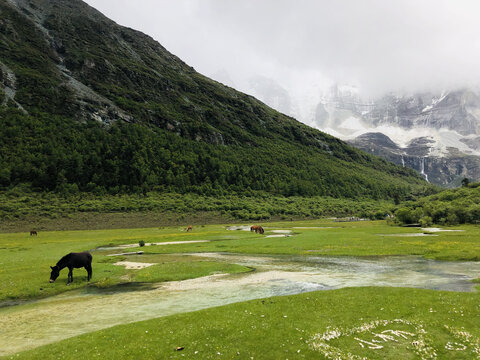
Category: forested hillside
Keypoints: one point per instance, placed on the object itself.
(449, 207)
(88, 105)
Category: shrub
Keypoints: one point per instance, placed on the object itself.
(141, 243)
(452, 219)
(404, 215)
(426, 221)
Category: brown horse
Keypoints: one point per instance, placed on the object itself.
(257, 229)
(189, 228)
(33, 232)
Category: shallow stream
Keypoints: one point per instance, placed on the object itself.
(59, 317)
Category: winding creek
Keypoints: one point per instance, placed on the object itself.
(59, 317)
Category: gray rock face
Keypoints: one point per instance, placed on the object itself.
(445, 150)
(473, 143)
(455, 110)
(446, 171)
(447, 147)
(8, 84)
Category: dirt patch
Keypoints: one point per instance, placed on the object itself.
(129, 265)
(281, 231)
(408, 235)
(128, 246)
(439, 230)
(120, 220)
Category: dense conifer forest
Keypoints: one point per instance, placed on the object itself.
(90, 106)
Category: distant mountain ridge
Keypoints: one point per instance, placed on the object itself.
(93, 106)
(441, 134)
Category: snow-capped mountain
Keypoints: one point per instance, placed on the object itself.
(436, 134)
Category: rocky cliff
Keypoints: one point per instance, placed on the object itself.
(435, 134)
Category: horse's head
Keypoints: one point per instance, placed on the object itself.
(54, 274)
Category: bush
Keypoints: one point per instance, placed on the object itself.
(405, 215)
(452, 219)
(141, 243)
(426, 221)
(409, 216)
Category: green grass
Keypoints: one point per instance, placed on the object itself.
(273, 328)
(172, 268)
(290, 326)
(25, 260)
(365, 238)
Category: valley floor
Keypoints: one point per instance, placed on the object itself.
(292, 257)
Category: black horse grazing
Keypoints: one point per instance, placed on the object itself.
(72, 260)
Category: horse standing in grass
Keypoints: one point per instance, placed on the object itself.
(33, 232)
(257, 229)
(189, 228)
(72, 260)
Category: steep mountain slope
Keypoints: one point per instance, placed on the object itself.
(90, 105)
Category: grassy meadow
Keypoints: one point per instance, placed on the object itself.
(324, 324)
(419, 324)
(25, 260)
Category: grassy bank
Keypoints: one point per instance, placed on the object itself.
(321, 325)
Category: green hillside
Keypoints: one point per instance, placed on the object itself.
(88, 105)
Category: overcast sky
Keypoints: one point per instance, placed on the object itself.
(377, 45)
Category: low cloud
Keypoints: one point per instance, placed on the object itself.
(377, 45)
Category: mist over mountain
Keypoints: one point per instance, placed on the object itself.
(401, 47)
(392, 53)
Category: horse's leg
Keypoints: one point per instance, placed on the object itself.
(89, 271)
(70, 275)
